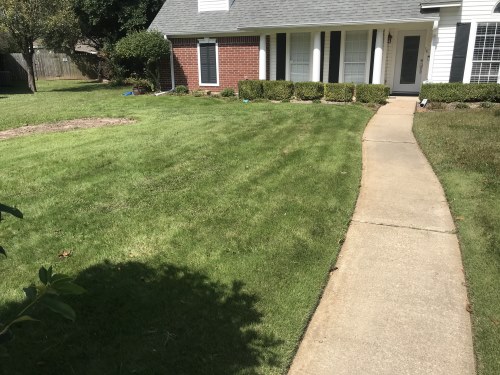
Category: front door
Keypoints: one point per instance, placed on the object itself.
(300, 46)
(409, 61)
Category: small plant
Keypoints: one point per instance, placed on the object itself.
(462, 106)
(437, 106)
(317, 101)
(228, 92)
(47, 293)
(198, 93)
(309, 90)
(181, 90)
(487, 105)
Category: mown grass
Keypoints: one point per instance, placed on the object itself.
(203, 233)
(464, 149)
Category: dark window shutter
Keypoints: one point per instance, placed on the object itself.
(281, 56)
(372, 58)
(460, 52)
(333, 72)
(322, 63)
(208, 63)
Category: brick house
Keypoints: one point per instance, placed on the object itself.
(400, 43)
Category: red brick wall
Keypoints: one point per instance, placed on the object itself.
(238, 60)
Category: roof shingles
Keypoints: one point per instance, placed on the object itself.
(181, 17)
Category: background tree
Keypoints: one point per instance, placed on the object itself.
(29, 20)
(144, 50)
(104, 22)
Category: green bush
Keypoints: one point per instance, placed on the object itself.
(181, 90)
(368, 93)
(309, 90)
(339, 92)
(486, 105)
(250, 90)
(227, 92)
(461, 92)
(277, 90)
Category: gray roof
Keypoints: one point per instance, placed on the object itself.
(181, 17)
(437, 3)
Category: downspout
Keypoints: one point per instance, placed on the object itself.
(172, 73)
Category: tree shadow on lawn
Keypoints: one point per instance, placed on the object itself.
(135, 319)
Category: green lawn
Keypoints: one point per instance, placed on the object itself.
(464, 149)
(203, 233)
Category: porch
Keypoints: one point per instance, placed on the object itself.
(397, 55)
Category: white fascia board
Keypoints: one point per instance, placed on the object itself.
(443, 5)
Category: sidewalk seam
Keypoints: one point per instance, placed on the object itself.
(405, 227)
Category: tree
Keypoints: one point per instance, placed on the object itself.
(104, 22)
(144, 49)
(29, 20)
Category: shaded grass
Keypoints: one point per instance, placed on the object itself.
(464, 149)
(203, 233)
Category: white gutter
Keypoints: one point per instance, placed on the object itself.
(443, 5)
(172, 72)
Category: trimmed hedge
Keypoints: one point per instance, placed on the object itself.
(278, 90)
(339, 92)
(461, 92)
(309, 90)
(250, 89)
(368, 93)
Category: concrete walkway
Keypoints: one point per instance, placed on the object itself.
(397, 303)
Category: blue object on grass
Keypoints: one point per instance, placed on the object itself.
(246, 101)
(128, 93)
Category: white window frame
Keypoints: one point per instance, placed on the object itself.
(208, 41)
(368, 54)
(470, 50)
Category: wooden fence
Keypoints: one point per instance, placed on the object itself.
(51, 65)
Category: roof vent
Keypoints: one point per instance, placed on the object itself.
(212, 5)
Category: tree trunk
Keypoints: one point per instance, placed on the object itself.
(28, 54)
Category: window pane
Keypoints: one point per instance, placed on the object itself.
(356, 49)
(410, 59)
(208, 63)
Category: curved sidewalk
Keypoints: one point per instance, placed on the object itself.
(397, 302)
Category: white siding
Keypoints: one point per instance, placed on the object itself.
(479, 11)
(390, 57)
(211, 5)
(446, 41)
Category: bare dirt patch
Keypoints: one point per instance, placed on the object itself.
(64, 126)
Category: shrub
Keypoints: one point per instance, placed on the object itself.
(227, 92)
(367, 93)
(181, 90)
(250, 90)
(277, 90)
(198, 93)
(461, 92)
(339, 92)
(309, 90)
(146, 49)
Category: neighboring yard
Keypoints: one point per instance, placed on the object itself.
(464, 148)
(203, 233)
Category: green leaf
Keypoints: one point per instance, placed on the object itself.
(59, 277)
(43, 275)
(59, 307)
(30, 292)
(24, 318)
(68, 288)
(49, 274)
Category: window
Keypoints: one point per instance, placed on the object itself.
(208, 62)
(355, 58)
(486, 58)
